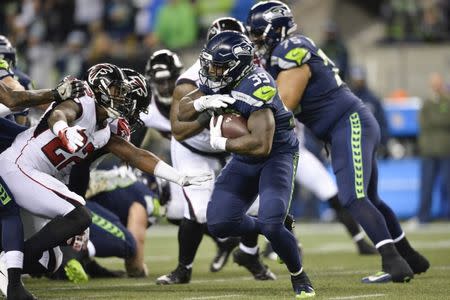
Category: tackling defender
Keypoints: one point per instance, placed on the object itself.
(263, 162)
(310, 86)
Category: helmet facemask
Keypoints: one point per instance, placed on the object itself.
(216, 75)
(114, 98)
(163, 85)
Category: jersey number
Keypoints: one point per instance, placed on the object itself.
(59, 160)
(259, 78)
(327, 61)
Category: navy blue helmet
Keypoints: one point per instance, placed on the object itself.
(268, 23)
(222, 24)
(140, 95)
(225, 60)
(110, 86)
(7, 51)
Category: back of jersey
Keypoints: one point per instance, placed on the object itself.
(326, 96)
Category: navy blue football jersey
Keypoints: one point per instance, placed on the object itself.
(326, 97)
(257, 90)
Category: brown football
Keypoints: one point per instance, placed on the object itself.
(233, 125)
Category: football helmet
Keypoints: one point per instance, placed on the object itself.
(140, 95)
(110, 86)
(268, 23)
(222, 24)
(225, 60)
(162, 70)
(7, 51)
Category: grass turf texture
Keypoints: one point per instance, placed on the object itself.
(330, 260)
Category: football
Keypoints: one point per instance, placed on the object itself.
(233, 125)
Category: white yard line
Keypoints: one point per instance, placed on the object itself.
(212, 297)
(357, 297)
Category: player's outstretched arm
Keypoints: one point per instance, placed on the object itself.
(261, 125)
(183, 130)
(292, 84)
(17, 99)
(150, 163)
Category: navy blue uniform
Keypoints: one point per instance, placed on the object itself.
(337, 116)
(272, 177)
(120, 200)
(108, 235)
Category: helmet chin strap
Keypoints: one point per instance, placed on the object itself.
(111, 112)
(163, 100)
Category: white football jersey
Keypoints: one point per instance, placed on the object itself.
(199, 141)
(40, 149)
(155, 119)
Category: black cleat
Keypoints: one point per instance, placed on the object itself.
(417, 262)
(253, 263)
(94, 270)
(398, 268)
(364, 248)
(223, 252)
(302, 286)
(19, 293)
(179, 276)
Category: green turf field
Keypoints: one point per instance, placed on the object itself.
(329, 258)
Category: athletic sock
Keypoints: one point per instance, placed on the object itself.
(250, 240)
(345, 217)
(388, 250)
(190, 234)
(403, 246)
(14, 277)
(371, 220)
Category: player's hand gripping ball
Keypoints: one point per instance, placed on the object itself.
(233, 125)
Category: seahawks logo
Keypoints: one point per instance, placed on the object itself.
(243, 48)
(276, 12)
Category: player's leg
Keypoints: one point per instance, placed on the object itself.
(11, 259)
(316, 178)
(43, 195)
(416, 261)
(354, 140)
(276, 187)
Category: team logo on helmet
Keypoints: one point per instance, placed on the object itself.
(276, 12)
(99, 70)
(243, 48)
(138, 85)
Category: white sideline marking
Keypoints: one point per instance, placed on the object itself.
(212, 297)
(358, 297)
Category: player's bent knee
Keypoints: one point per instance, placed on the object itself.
(223, 229)
(82, 216)
(271, 230)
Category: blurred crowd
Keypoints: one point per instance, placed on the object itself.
(416, 20)
(57, 37)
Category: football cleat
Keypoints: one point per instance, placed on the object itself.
(379, 277)
(253, 263)
(94, 270)
(302, 286)
(223, 252)
(180, 275)
(417, 262)
(75, 271)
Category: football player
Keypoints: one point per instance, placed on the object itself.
(310, 86)
(264, 161)
(190, 149)
(12, 93)
(38, 163)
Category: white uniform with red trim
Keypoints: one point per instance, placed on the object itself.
(37, 166)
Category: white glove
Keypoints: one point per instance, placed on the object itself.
(79, 242)
(69, 136)
(164, 171)
(212, 102)
(216, 140)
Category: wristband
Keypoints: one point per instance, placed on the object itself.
(58, 126)
(220, 143)
(164, 171)
(198, 105)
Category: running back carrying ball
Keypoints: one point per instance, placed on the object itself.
(233, 125)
